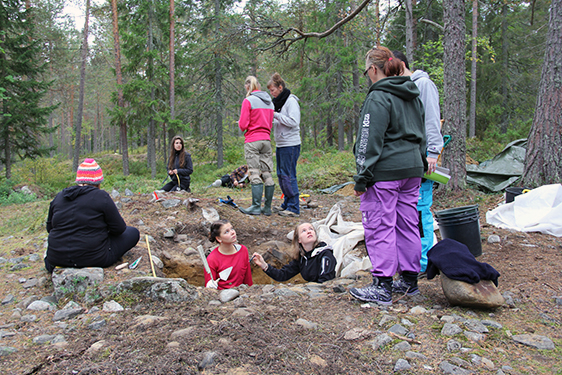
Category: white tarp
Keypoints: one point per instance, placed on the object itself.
(539, 210)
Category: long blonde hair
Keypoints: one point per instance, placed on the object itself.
(253, 84)
(296, 247)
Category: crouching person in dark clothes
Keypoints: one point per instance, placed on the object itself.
(314, 260)
(84, 225)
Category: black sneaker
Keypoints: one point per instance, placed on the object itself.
(404, 286)
(379, 291)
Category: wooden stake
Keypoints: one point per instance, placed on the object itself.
(150, 256)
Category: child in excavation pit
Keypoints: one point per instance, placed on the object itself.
(227, 254)
(313, 259)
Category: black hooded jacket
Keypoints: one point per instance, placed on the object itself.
(80, 221)
(318, 265)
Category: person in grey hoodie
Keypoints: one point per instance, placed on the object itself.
(429, 96)
(287, 118)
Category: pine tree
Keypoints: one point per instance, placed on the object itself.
(22, 119)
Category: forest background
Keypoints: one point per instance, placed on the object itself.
(141, 71)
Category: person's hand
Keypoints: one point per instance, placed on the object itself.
(431, 164)
(175, 171)
(212, 284)
(235, 183)
(170, 172)
(358, 193)
(258, 260)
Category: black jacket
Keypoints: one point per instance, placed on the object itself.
(318, 265)
(79, 223)
(185, 171)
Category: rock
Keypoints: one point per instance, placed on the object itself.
(119, 205)
(492, 324)
(65, 314)
(6, 350)
(208, 360)
(30, 283)
(406, 322)
(509, 299)
(476, 359)
(169, 203)
(306, 324)
(403, 346)
(145, 321)
(418, 310)
(475, 336)
(449, 368)
(170, 233)
(402, 365)
(18, 267)
(494, 238)
(210, 214)
(453, 346)
(285, 292)
(112, 306)
(6, 334)
(398, 329)
(115, 194)
(557, 300)
(415, 355)
(75, 280)
(39, 306)
(160, 289)
(488, 364)
(243, 312)
(482, 295)
(26, 190)
(96, 347)
(185, 332)
(476, 326)
(180, 238)
(228, 295)
(447, 319)
(129, 193)
(28, 318)
(450, 329)
(356, 333)
(381, 340)
(34, 258)
(8, 299)
(43, 339)
(173, 345)
(534, 341)
(157, 262)
(387, 318)
(98, 324)
(318, 361)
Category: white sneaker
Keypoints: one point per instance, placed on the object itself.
(217, 183)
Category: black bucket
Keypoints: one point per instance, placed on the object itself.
(512, 192)
(461, 224)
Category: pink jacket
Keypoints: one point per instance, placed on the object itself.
(256, 117)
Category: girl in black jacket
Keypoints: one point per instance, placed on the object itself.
(180, 167)
(314, 260)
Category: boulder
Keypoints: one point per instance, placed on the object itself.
(157, 288)
(75, 280)
(480, 295)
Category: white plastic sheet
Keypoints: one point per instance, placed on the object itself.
(539, 210)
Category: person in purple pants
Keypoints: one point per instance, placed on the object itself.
(390, 159)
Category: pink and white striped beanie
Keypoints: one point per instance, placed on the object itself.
(89, 172)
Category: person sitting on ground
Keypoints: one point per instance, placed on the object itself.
(227, 255)
(180, 167)
(84, 225)
(238, 178)
(313, 259)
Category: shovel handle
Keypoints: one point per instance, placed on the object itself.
(204, 260)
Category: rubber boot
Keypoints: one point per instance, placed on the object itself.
(255, 208)
(266, 210)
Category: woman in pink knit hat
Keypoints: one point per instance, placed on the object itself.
(84, 225)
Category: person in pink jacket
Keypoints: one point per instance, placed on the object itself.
(256, 119)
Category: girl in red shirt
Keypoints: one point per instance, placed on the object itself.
(228, 254)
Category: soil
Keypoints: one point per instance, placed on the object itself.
(268, 341)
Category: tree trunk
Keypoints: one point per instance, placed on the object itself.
(472, 123)
(505, 44)
(409, 31)
(218, 90)
(172, 62)
(339, 99)
(84, 56)
(543, 164)
(151, 134)
(120, 102)
(454, 108)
